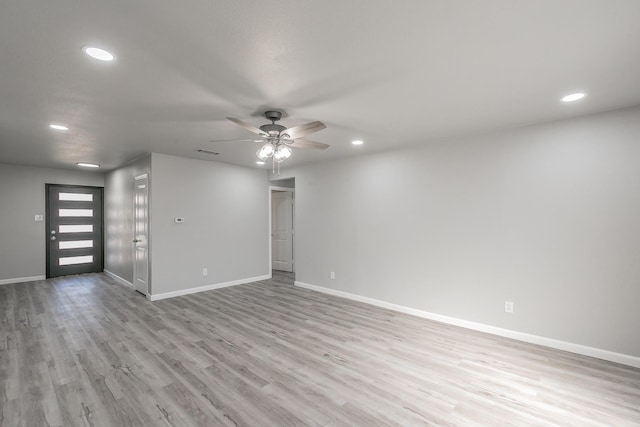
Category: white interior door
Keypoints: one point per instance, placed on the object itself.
(141, 239)
(282, 230)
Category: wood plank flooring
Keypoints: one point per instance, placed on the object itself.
(85, 351)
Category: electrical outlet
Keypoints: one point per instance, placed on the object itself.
(205, 271)
(39, 218)
(333, 275)
(508, 307)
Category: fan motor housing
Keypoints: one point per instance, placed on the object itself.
(272, 129)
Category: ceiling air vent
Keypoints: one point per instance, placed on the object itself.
(213, 153)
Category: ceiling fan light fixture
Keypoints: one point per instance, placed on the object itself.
(280, 139)
(283, 152)
(266, 151)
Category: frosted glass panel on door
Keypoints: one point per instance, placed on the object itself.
(80, 228)
(75, 212)
(75, 197)
(75, 244)
(71, 260)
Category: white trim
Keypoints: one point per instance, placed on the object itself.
(120, 280)
(21, 279)
(276, 188)
(156, 297)
(598, 353)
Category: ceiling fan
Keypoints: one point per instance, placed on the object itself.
(278, 140)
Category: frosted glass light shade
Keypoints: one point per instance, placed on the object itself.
(282, 153)
(266, 151)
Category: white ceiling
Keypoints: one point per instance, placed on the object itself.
(390, 73)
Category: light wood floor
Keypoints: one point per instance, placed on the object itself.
(85, 351)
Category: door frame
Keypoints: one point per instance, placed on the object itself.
(133, 251)
(48, 223)
(271, 189)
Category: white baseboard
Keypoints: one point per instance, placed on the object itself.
(164, 295)
(21, 279)
(120, 280)
(598, 353)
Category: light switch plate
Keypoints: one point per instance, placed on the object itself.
(39, 218)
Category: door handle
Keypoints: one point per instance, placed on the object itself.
(136, 240)
(53, 237)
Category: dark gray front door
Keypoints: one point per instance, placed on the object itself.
(74, 230)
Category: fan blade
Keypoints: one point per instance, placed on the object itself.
(303, 130)
(303, 143)
(237, 140)
(246, 125)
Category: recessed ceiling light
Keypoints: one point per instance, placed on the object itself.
(573, 97)
(88, 165)
(97, 53)
(58, 126)
(259, 162)
(357, 142)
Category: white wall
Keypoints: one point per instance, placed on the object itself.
(545, 216)
(118, 216)
(226, 223)
(22, 196)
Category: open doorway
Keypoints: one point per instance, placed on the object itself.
(281, 212)
(141, 234)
